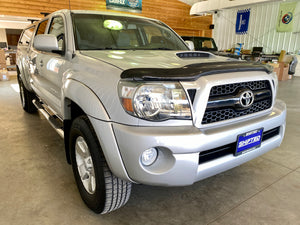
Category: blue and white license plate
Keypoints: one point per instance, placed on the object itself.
(248, 141)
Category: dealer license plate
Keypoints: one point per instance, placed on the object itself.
(248, 141)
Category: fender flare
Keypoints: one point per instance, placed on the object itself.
(85, 98)
(22, 76)
(92, 106)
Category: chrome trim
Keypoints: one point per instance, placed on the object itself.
(51, 118)
(246, 98)
(234, 100)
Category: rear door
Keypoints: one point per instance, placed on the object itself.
(24, 51)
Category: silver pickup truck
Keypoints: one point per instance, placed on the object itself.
(135, 105)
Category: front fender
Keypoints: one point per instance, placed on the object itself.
(92, 106)
(85, 98)
(22, 74)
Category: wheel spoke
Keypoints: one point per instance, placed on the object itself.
(81, 149)
(93, 180)
(85, 165)
(81, 170)
(89, 183)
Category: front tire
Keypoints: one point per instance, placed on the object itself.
(101, 191)
(26, 98)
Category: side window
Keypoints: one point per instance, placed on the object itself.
(26, 36)
(57, 28)
(42, 27)
(207, 44)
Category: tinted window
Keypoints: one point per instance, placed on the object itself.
(58, 30)
(202, 43)
(26, 36)
(100, 32)
(42, 27)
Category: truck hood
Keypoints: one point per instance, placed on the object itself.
(129, 59)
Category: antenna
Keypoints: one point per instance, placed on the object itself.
(70, 4)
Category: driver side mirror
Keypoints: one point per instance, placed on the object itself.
(46, 43)
(190, 45)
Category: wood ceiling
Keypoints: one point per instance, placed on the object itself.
(173, 12)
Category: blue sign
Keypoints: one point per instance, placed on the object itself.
(249, 141)
(242, 21)
(125, 5)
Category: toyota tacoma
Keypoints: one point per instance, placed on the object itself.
(135, 105)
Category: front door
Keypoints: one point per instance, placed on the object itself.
(50, 67)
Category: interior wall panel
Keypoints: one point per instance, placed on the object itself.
(173, 12)
(3, 35)
(261, 31)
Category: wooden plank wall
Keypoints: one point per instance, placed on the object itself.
(172, 12)
(12, 39)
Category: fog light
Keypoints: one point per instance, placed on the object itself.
(149, 156)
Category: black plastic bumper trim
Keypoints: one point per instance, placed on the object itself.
(218, 152)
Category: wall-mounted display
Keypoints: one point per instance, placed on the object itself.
(242, 21)
(286, 18)
(125, 5)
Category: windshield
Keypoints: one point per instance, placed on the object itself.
(105, 32)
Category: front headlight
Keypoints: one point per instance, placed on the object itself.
(154, 101)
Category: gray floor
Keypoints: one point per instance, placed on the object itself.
(37, 185)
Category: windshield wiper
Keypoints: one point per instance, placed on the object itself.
(205, 49)
(106, 48)
(129, 49)
(162, 48)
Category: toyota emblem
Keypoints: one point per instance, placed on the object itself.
(246, 98)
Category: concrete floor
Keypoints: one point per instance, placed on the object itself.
(37, 185)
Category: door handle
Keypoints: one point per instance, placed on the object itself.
(41, 63)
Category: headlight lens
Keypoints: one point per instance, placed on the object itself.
(155, 101)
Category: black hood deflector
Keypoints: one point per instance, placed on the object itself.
(193, 71)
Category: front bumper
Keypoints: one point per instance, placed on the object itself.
(179, 147)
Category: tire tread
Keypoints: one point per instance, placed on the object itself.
(28, 97)
(116, 190)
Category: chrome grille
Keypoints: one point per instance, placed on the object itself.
(231, 88)
(224, 104)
